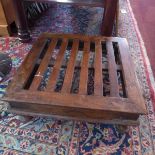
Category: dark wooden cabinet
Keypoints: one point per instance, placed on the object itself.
(7, 16)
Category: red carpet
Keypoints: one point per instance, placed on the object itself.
(144, 12)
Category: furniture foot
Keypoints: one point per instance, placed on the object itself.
(23, 32)
(24, 35)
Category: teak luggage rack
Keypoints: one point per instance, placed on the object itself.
(26, 95)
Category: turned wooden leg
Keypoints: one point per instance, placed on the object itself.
(21, 22)
(109, 17)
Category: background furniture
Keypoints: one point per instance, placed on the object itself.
(28, 93)
(7, 16)
(110, 7)
(33, 11)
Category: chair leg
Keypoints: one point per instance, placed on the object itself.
(117, 18)
(109, 17)
(21, 22)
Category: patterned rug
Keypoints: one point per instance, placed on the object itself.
(22, 135)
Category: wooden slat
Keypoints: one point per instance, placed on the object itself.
(114, 89)
(27, 66)
(83, 37)
(131, 83)
(98, 81)
(84, 69)
(54, 75)
(70, 68)
(43, 66)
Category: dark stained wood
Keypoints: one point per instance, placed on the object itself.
(122, 121)
(109, 17)
(84, 69)
(66, 103)
(74, 100)
(43, 66)
(70, 68)
(20, 20)
(114, 89)
(98, 79)
(83, 37)
(132, 86)
(27, 66)
(75, 105)
(56, 69)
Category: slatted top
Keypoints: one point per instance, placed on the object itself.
(78, 74)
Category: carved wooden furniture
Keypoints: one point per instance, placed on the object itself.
(26, 95)
(7, 16)
(110, 7)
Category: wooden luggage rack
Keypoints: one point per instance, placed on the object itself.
(65, 75)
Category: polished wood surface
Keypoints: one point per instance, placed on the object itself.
(84, 69)
(67, 84)
(57, 66)
(98, 81)
(110, 7)
(24, 94)
(43, 65)
(114, 89)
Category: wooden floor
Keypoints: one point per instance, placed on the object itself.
(144, 11)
